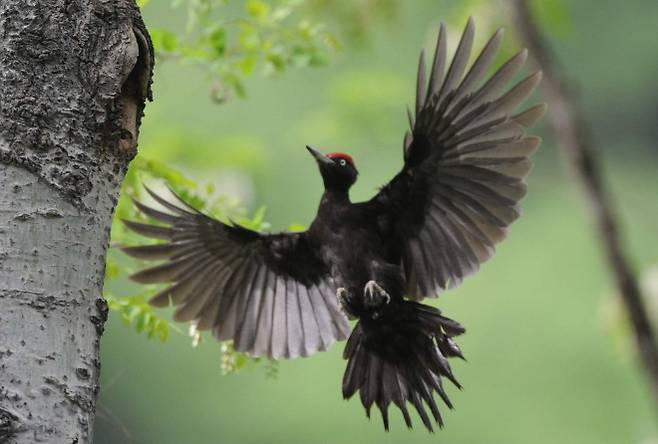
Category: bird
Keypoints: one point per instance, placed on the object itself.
(370, 264)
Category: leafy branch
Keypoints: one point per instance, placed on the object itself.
(134, 310)
(269, 37)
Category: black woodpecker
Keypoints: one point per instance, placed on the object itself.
(285, 295)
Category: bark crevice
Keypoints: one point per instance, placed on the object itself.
(10, 424)
(135, 90)
(65, 69)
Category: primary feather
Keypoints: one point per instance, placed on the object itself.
(271, 294)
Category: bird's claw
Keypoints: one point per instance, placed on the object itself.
(343, 302)
(375, 295)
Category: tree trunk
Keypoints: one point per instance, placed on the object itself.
(74, 75)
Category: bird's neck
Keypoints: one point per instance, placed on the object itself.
(334, 197)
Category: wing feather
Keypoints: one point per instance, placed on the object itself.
(294, 320)
(466, 160)
(271, 295)
(246, 334)
(438, 64)
(262, 341)
(459, 61)
(479, 68)
(310, 327)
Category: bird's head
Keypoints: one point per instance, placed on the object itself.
(337, 169)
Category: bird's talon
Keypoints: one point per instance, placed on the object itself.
(343, 302)
(375, 295)
(341, 295)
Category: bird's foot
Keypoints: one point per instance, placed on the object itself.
(343, 302)
(375, 296)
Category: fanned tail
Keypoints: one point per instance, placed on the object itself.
(402, 356)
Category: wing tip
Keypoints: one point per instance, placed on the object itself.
(470, 22)
(142, 277)
(531, 116)
(131, 250)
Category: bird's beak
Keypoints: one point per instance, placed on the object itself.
(321, 158)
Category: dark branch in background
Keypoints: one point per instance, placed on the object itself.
(569, 123)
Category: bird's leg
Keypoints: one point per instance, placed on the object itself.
(375, 296)
(344, 302)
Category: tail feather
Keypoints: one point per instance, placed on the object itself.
(400, 358)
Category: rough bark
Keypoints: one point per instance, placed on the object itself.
(571, 128)
(74, 75)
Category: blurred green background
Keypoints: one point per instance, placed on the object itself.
(548, 355)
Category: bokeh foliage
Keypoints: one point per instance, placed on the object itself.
(545, 339)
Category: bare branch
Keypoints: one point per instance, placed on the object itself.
(570, 126)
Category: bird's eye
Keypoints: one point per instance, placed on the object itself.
(342, 162)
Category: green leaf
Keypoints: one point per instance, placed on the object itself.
(133, 312)
(151, 324)
(281, 13)
(217, 41)
(300, 56)
(142, 3)
(248, 37)
(164, 41)
(247, 64)
(296, 228)
(112, 303)
(160, 170)
(163, 330)
(259, 216)
(234, 82)
(258, 9)
(112, 269)
(277, 62)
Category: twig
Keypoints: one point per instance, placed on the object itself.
(569, 124)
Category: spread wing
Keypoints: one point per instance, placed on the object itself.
(466, 158)
(271, 294)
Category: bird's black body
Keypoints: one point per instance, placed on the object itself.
(291, 294)
(355, 245)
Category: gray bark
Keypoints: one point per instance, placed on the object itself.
(74, 75)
